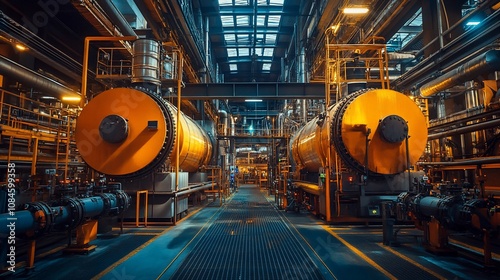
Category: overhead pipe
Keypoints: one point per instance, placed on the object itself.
(488, 62)
(465, 129)
(224, 121)
(474, 161)
(32, 78)
(116, 17)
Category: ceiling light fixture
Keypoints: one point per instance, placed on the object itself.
(71, 98)
(21, 47)
(253, 100)
(472, 23)
(355, 10)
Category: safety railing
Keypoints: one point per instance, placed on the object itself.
(20, 112)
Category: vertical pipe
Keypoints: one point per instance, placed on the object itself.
(283, 70)
(440, 23)
(178, 124)
(178, 129)
(304, 110)
(207, 61)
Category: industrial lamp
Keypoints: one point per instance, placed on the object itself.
(355, 10)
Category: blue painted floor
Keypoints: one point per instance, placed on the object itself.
(305, 248)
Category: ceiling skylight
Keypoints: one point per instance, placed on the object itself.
(250, 30)
(227, 21)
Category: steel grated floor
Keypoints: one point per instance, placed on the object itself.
(248, 240)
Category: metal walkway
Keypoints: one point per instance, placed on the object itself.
(249, 240)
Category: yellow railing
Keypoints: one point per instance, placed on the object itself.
(20, 112)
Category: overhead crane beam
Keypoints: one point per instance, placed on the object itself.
(254, 90)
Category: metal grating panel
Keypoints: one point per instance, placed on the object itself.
(249, 240)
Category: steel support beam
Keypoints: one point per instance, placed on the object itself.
(267, 91)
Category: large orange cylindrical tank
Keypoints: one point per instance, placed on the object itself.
(128, 132)
(384, 117)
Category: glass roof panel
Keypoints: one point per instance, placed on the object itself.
(243, 20)
(227, 21)
(261, 20)
(243, 38)
(231, 52)
(245, 34)
(273, 20)
(225, 2)
(241, 2)
(406, 33)
(230, 38)
(243, 51)
(270, 39)
(276, 2)
(258, 51)
(268, 51)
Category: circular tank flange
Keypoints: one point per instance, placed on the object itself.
(113, 129)
(393, 129)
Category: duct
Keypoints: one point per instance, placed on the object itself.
(25, 75)
(232, 126)
(488, 62)
(116, 17)
(244, 150)
(474, 161)
(281, 119)
(224, 121)
(395, 56)
(465, 129)
(207, 46)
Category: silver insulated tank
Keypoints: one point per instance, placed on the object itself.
(146, 61)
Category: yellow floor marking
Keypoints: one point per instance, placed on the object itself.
(360, 254)
(472, 248)
(120, 261)
(387, 248)
(310, 247)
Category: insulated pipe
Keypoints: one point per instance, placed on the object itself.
(465, 129)
(308, 187)
(475, 161)
(116, 17)
(38, 218)
(488, 62)
(25, 75)
(224, 121)
(452, 211)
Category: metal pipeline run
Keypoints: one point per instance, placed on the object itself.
(465, 129)
(38, 218)
(452, 211)
(475, 161)
(308, 187)
(34, 79)
(488, 62)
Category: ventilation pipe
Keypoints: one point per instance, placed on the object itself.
(232, 126)
(116, 17)
(488, 62)
(34, 79)
(224, 121)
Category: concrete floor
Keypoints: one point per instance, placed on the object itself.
(305, 248)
